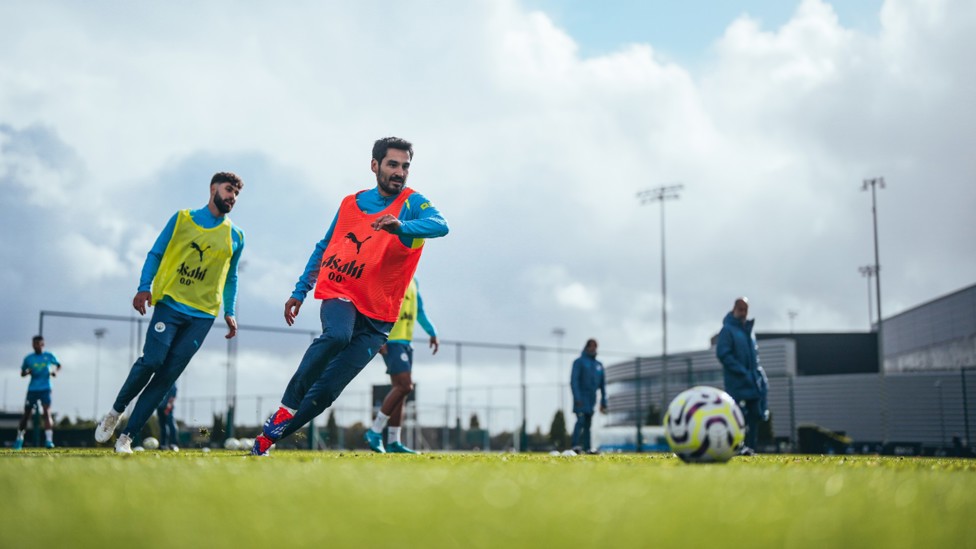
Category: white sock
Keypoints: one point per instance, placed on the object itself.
(113, 413)
(48, 435)
(290, 410)
(393, 435)
(20, 434)
(380, 422)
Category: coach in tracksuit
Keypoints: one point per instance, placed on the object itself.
(745, 380)
(587, 377)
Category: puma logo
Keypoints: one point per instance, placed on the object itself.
(356, 241)
(196, 247)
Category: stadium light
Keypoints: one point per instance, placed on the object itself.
(661, 194)
(99, 334)
(792, 314)
(874, 183)
(868, 271)
(560, 333)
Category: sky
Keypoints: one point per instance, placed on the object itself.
(535, 123)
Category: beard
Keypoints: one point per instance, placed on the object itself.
(222, 205)
(391, 185)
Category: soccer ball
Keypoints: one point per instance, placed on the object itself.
(245, 443)
(232, 444)
(703, 425)
(150, 443)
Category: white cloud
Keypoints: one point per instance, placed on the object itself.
(576, 296)
(87, 261)
(532, 152)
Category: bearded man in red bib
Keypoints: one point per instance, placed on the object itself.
(360, 271)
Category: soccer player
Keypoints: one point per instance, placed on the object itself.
(168, 434)
(398, 355)
(38, 366)
(586, 379)
(360, 271)
(190, 269)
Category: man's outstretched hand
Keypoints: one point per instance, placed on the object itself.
(292, 306)
(141, 301)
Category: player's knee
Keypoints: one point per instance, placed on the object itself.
(150, 363)
(340, 338)
(403, 383)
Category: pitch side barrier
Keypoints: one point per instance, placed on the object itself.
(523, 349)
(136, 341)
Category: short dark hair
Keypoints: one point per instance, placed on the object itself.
(387, 143)
(37, 338)
(227, 177)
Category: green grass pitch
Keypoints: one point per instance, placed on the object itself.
(94, 498)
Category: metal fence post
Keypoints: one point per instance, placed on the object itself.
(965, 405)
(640, 406)
(523, 444)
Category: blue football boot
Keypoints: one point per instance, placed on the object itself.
(48, 444)
(375, 441)
(18, 444)
(398, 448)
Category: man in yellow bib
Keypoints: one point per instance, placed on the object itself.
(398, 356)
(189, 271)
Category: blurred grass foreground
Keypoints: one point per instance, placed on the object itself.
(94, 498)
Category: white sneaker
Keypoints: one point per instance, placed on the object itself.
(174, 447)
(107, 426)
(123, 445)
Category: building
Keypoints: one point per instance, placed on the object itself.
(925, 399)
(937, 335)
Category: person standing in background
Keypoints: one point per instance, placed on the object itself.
(586, 379)
(38, 365)
(745, 379)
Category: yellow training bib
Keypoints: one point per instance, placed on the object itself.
(403, 329)
(195, 264)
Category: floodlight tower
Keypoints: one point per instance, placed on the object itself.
(560, 333)
(99, 334)
(232, 374)
(661, 194)
(868, 271)
(792, 314)
(874, 183)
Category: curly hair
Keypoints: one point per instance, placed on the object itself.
(227, 177)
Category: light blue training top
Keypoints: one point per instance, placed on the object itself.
(39, 365)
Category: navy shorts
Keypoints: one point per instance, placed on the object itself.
(398, 358)
(43, 395)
